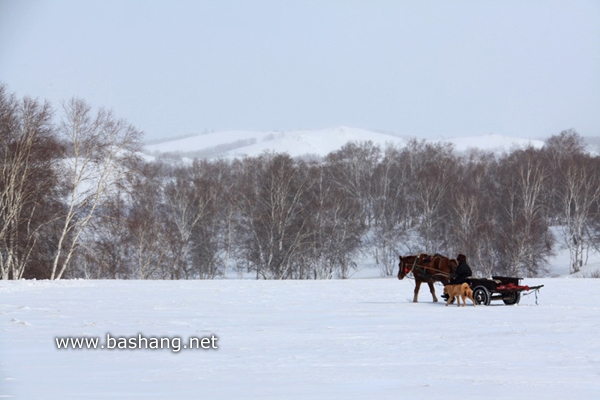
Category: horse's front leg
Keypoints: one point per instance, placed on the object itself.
(417, 286)
(432, 290)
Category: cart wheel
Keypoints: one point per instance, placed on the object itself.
(511, 298)
(482, 296)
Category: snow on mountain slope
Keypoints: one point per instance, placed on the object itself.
(208, 140)
(319, 142)
(253, 143)
(492, 142)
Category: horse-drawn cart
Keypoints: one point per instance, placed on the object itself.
(499, 288)
(437, 268)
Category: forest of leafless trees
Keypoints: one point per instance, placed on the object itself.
(76, 201)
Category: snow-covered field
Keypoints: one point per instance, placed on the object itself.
(360, 338)
(337, 339)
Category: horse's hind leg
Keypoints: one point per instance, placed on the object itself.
(432, 290)
(417, 287)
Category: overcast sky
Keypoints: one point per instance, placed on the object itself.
(419, 68)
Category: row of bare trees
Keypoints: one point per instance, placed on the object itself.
(510, 212)
(76, 201)
(271, 216)
(281, 218)
(54, 177)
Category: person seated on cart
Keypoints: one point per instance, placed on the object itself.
(463, 271)
(461, 274)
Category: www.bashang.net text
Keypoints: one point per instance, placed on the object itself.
(139, 342)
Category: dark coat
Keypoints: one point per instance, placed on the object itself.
(463, 271)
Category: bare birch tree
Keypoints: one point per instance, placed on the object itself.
(525, 240)
(432, 178)
(28, 158)
(190, 198)
(98, 145)
(336, 228)
(149, 230)
(390, 186)
(472, 215)
(274, 227)
(352, 168)
(579, 198)
(575, 193)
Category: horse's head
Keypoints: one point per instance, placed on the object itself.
(401, 271)
(405, 266)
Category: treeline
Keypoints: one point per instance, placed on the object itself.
(76, 200)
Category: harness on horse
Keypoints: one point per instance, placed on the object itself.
(405, 268)
(420, 271)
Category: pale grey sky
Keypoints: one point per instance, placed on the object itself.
(419, 68)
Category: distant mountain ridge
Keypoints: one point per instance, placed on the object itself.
(318, 142)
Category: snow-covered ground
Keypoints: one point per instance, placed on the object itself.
(337, 339)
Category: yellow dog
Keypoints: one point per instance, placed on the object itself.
(459, 291)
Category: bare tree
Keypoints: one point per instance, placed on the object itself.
(352, 168)
(526, 242)
(336, 227)
(98, 146)
(212, 238)
(28, 159)
(390, 195)
(274, 227)
(472, 216)
(191, 199)
(149, 224)
(431, 179)
(225, 183)
(106, 253)
(579, 198)
(575, 193)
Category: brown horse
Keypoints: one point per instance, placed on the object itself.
(429, 269)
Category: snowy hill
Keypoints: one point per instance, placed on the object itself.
(319, 142)
(493, 143)
(252, 143)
